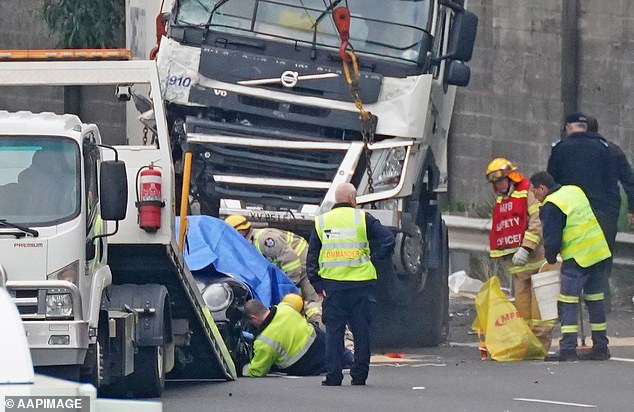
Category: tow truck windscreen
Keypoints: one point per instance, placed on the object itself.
(393, 29)
(39, 179)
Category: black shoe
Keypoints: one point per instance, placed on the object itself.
(326, 382)
(602, 355)
(599, 355)
(567, 355)
(357, 383)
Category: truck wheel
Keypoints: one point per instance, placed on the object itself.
(148, 379)
(93, 369)
(435, 300)
(409, 317)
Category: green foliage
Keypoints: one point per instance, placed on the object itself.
(84, 23)
(483, 267)
(451, 207)
(483, 209)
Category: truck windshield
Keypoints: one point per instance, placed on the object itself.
(395, 29)
(39, 179)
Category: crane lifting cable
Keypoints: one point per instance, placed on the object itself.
(341, 17)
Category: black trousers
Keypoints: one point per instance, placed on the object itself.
(574, 280)
(313, 362)
(353, 306)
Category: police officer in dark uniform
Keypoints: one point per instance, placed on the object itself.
(620, 171)
(338, 264)
(583, 159)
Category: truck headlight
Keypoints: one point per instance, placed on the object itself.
(59, 305)
(68, 273)
(392, 168)
(218, 296)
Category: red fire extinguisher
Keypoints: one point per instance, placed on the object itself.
(148, 198)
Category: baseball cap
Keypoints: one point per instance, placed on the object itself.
(576, 117)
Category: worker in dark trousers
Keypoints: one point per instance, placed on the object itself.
(621, 171)
(583, 159)
(284, 341)
(571, 229)
(339, 265)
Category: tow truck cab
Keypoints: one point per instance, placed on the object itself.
(50, 225)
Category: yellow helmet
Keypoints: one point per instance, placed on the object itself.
(499, 168)
(295, 301)
(238, 222)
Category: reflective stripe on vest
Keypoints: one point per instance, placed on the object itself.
(582, 237)
(256, 240)
(289, 335)
(297, 243)
(345, 250)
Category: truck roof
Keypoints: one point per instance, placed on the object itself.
(46, 123)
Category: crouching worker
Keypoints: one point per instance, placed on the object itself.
(284, 341)
(311, 312)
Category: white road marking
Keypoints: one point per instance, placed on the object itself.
(417, 388)
(580, 405)
(622, 359)
(464, 344)
(400, 365)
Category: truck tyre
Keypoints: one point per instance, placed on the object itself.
(148, 379)
(435, 299)
(416, 318)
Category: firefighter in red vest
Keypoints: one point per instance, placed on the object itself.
(516, 239)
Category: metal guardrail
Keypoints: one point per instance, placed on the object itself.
(472, 235)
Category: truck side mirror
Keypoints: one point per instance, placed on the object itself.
(113, 182)
(458, 73)
(462, 35)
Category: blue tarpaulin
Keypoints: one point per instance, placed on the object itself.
(210, 241)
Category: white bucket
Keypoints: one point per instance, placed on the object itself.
(546, 287)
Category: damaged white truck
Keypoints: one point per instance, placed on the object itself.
(102, 299)
(256, 90)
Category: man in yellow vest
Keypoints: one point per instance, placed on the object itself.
(516, 240)
(572, 230)
(339, 265)
(284, 341)
(287, 251)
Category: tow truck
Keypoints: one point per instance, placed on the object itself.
(87, 241)
(276, 102)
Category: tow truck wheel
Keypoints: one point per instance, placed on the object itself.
(148, 379)
(93, 369)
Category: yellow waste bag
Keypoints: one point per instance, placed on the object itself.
(507, 335)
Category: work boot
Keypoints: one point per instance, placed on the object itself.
(566, 355)
(326, 382)
(598, 355)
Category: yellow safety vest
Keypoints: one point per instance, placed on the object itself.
(345, 250)
(582, 238)
(283, 342)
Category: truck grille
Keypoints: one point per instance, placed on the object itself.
(273, 163)
(27, 301)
